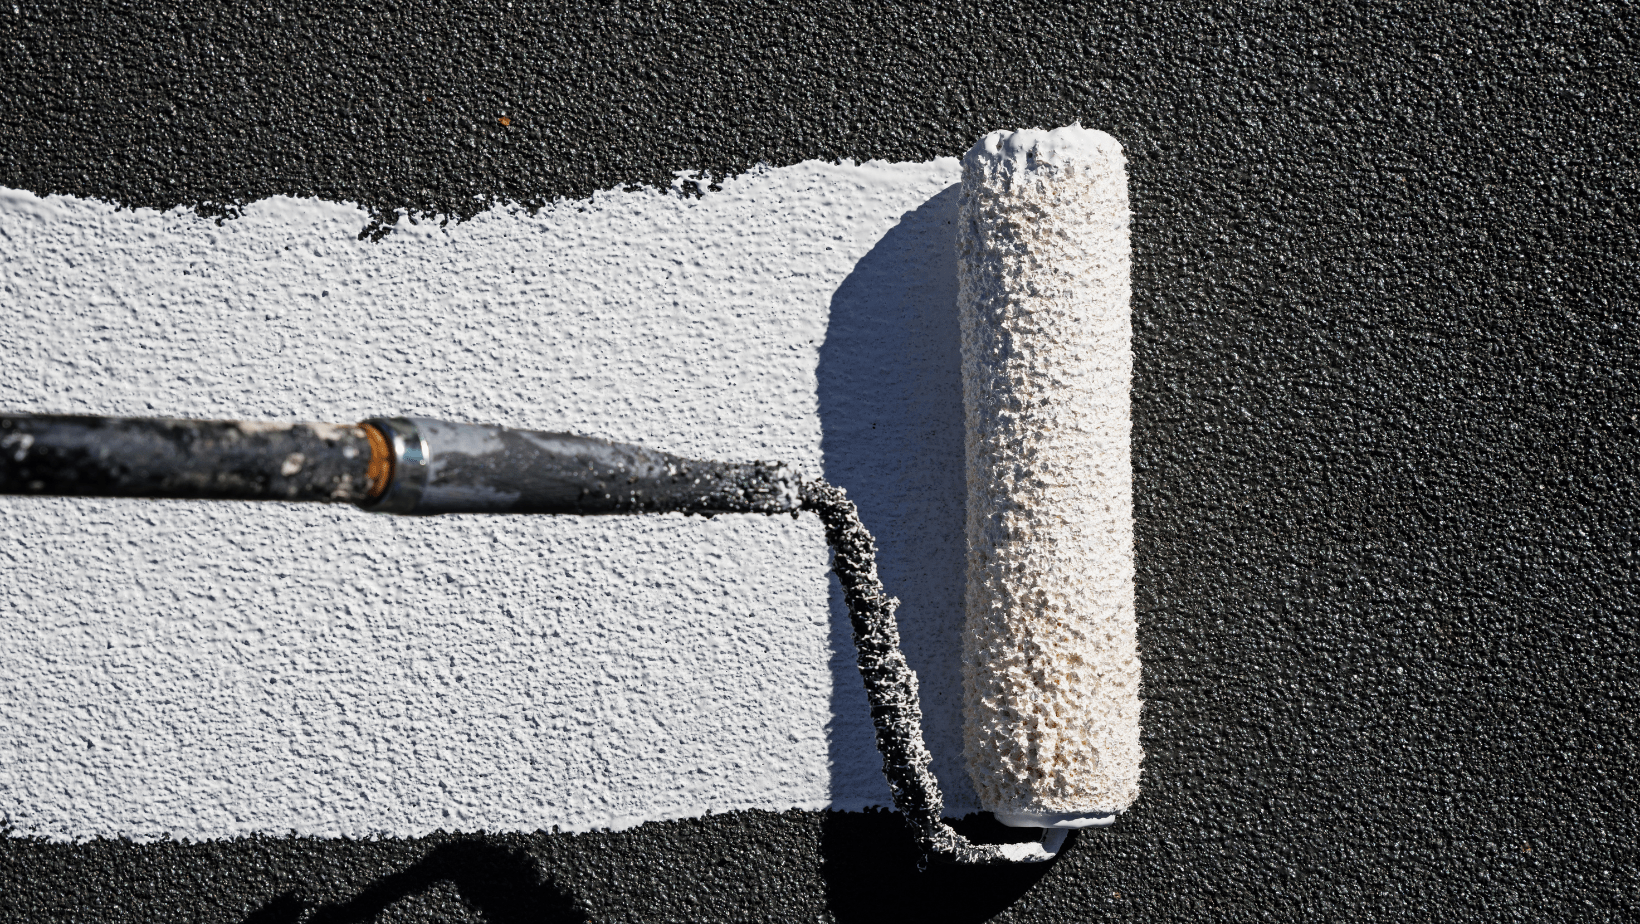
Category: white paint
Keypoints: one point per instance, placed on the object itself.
(1051, 662)
(175, 669)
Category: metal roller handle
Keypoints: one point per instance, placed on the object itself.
(400, 465)
(443, 467)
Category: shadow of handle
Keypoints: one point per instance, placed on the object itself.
(505, 886)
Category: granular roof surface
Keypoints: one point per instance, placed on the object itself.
(1385, 439)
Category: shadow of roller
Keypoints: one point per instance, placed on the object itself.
(889, 384)
(505, 886)
(871, 872)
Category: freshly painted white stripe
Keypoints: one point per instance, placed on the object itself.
(173, 669)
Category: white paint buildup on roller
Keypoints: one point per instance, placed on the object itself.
(1051, 666)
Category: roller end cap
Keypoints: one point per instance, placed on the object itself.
(1065, 820)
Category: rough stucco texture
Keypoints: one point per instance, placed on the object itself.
(208, 669)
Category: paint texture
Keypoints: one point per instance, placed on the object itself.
(1385, 460)
(1050, 654)
(177, 669)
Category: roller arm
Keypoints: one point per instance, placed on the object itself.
(401, 465)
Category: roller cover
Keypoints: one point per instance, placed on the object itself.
(1050, 661)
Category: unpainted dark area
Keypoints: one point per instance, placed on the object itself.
(747, 866)
(1385, 441)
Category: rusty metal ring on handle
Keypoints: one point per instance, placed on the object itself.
(407, 476)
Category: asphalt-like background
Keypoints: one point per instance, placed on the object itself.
(1387, 321)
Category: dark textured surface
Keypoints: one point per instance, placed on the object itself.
(1385, 413)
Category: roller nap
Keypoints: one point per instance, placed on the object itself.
(1051, 667)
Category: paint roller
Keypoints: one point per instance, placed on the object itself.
(1050, 657)
(1050, 664)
